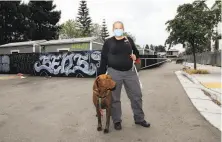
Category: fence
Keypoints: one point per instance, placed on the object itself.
(206, 58)
(76, 63)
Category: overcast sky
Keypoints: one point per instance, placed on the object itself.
(145, 19)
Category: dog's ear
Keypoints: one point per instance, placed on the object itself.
(112, 84)
(95, 85)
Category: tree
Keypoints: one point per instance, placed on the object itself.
(69, 30)
(151, 47)
(8, 16)
(104, 31)
(43, 20)
(193, 24)
(147, 46)
(160, 48)
(24, 24)
(130, 35)
(33, 21)
(96, 30)
(84, 20)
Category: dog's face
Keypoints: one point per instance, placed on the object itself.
(105, 82)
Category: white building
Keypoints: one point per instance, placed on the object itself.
(172, 53)
(162, 54)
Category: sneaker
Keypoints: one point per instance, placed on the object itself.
(143, 123)
(117, 126)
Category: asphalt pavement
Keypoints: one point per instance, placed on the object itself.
(57, 109)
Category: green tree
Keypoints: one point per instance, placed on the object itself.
(104, 31)
(96, 30)
(84, 20)
(151, 47)
(147, 46)
(24, 24)
(160, 48)
(8, 20)
(33, 21)
(193, 24)
(69, 30)
(44, 20)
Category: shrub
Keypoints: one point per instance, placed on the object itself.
(193, 71)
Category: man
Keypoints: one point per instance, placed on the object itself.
(117, 55)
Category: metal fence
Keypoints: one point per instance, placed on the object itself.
(205, 58)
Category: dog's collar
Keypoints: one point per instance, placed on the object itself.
(102, 96)
(106, 94)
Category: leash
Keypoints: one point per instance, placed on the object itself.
(100, 106)
(100, 102)
(141, 85)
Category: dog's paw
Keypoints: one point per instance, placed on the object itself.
(106, 131)
(99, 128)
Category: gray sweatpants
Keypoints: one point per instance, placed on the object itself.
(133, 90)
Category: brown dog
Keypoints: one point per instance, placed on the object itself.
(102, 98)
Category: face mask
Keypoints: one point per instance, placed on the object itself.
(118, 32)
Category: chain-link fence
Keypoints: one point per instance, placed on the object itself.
(205, 58)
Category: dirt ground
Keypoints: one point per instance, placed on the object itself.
(38, 109)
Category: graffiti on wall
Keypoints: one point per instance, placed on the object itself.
(77, 64)
(4, 63)
(23, 63)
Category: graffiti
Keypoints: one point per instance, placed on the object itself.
(77, 64)
(4, 64)
(96, 56)
(23, 63)
(80, 46)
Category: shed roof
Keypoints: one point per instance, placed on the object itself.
(68, 41)
(25, 43)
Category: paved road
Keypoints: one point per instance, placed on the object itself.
(60, 110)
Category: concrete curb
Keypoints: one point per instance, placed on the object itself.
(214, 95)
(207, 108)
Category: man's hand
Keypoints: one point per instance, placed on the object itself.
(133, 57)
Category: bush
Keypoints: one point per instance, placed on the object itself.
(192, 71)
(179, 61)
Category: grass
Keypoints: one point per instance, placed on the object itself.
(193, 71)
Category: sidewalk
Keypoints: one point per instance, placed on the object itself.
(207, 108)
(212, 80)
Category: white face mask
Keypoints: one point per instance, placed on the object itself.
(118, 32)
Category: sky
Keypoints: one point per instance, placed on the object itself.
(145, 19)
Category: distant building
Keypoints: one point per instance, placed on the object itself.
(21, 47)
(162, 54)
(61, 45)
(74, 44)
(172, 53)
